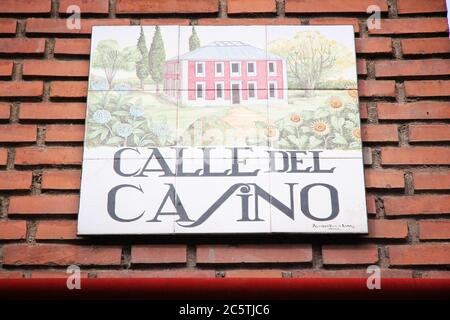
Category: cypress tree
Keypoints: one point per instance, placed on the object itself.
(156, 58)
(142, 66)
(194, 41)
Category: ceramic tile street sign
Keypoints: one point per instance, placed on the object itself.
(208, 129)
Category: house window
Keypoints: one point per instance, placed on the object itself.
(272, 68)
(200, 69)
(235, 68)
(219, 68)
(251, 90)
(251, 68)
(200, 90)
(219, 90)
(272, 89)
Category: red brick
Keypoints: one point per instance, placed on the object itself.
(419, 254)
(387, 229)
(414, 110)
(44, 204)
(6, 68)
(13, 229)
(416, 204)
(86, 6)
(431, 180)
(350, 254)
(411, 26)
(379, 132)
(434, 229)
(169, 21)
(15, 180)
(436, 274)
(9, 274)
(420, 6)
(22, 45)
(415, 155)
(56, 230)
(61, 179)
(336, 21)
(3, 156)
(50, 155)
(21, 88)
(8, 26)
(168, 6)
(361, 67)
(67, 89)
(54, 274)
(43, 25)
(60, 254)
(18, 133)
(350, 273)
(429, 132)
(376, 88)
(371, 205)
(238, 6)
(327, 6)
(427, 88)
(254, 253)
(25, 6)
(363, 110)
(72, 46)
(52, 111)
(247, 21)
(156, 273)
(5, 110)
(64, 133)
(373, 45)
(367, 156)
(425, 46)
(166, 253)
(56, 68)
(397, 68)
(253, 273)
(384, 178)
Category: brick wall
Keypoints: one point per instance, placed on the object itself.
(404, 89)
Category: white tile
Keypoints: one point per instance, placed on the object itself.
(115, 204)
(230, 54)
(118, 46)
(326, 120)
(313, 209)
(217, 204)
(129, 119)
(309, 57)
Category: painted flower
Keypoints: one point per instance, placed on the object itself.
(102, 116)
(353, 94)
(99, 85)
(161, 130)
(136, 110)
(124, 130)
(272, 132)
(122, 87)
(356, 134)
(320, 127)
(336, 104)
(296, 118)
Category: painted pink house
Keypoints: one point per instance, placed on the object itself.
(226, 73)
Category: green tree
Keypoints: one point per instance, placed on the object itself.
(310, 57)
(194, 41)
(156, 58)
(142, 66)
(109, 57)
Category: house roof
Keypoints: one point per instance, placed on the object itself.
(227, 50)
